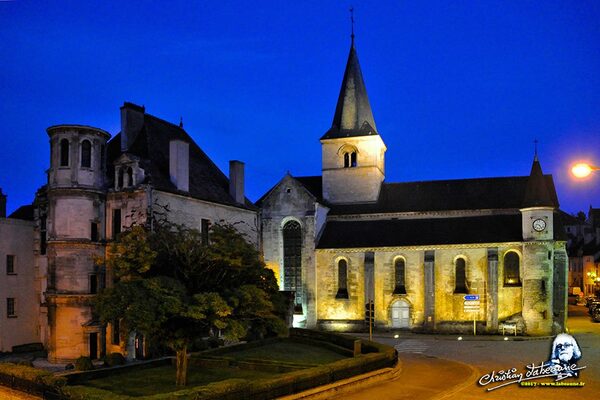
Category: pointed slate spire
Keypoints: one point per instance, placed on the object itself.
(537, 193)
(353, 115)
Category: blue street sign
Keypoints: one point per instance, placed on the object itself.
(471, 297)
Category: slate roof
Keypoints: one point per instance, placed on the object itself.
(536, 192)
(151, 145)
(23, 212)
(425, 232)
(353, 115)
(443, 195)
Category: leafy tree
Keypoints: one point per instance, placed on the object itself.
(171, 286)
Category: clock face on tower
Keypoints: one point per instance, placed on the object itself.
(539, 225)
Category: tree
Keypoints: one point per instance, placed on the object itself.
(172, 287)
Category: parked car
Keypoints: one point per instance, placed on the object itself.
(573, 299)
(593, 305)
(596, 315)
(588, 300)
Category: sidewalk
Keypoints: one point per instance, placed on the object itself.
(438, 336)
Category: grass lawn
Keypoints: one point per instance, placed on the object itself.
(148, 381)
(288, 351)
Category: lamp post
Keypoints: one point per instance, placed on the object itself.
(582, 170)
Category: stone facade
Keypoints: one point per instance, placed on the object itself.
(19, 285)
(415, 249)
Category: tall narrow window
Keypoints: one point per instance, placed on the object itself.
(204, 228)
(43, 234)
(93, 283)
(10, 307)
(86, 154)
(460, 276)
(94, 232)
(511, 269)
(102, 150)
(129, 176)
(116, 223)
(399, 275)
(116, 328)
(353, 159)
(346, 160)
(10, 264)
(120, 179)
(64, 153)
(342, 292)
(292, 261)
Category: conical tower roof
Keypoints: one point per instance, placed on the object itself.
(353, 115)
(537, 193)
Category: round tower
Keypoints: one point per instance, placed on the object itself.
(75, 229)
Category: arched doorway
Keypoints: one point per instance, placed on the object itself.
(400, 314)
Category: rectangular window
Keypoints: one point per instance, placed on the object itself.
(116, 223)
(43, 235)
(10, 264)
(93, 284)
(204, 228)
(116, 328)
(10, 307)
(94, 231)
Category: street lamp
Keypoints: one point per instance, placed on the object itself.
(582, 170)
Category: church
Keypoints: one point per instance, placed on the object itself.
(430, 256)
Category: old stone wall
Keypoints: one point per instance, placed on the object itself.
(16, 239)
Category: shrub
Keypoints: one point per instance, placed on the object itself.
(84, 363)
(113, 359)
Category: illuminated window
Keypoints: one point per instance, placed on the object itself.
(292, 261)
(86, 154)
(399, 276)
(512, 269)
(460, 276)
(342, 292)
(64, 153)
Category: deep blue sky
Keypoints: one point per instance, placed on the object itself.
(459, 89)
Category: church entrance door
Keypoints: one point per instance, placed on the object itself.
(400, 314)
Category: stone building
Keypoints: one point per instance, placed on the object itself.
(415, 249)
(97, 187)
(20, 280)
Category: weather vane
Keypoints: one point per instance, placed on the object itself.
(352, 21)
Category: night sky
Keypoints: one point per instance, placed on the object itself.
(459, 89)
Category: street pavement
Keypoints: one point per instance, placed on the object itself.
(427, 374)
(9, 394)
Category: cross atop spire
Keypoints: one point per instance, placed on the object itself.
(352, 22)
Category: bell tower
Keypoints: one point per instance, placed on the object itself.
(353, 163)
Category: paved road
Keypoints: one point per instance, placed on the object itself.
(486, 355)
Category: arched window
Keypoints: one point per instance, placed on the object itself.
(399, 276)
(353, 159)
(512, 269)
(292, 261)
(460, 276)
(346, 160)
(64, 153)
(86, 154)
(342, 292)
(129, 176)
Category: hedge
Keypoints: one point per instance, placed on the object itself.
(29, 379)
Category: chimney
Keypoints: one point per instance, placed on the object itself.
(132, 121)
(2, 204)
(179, 164)
(236, 181)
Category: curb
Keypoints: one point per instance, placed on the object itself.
(461, 386)
(348, 385)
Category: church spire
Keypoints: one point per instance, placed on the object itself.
(537, 193)
(353, 115)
